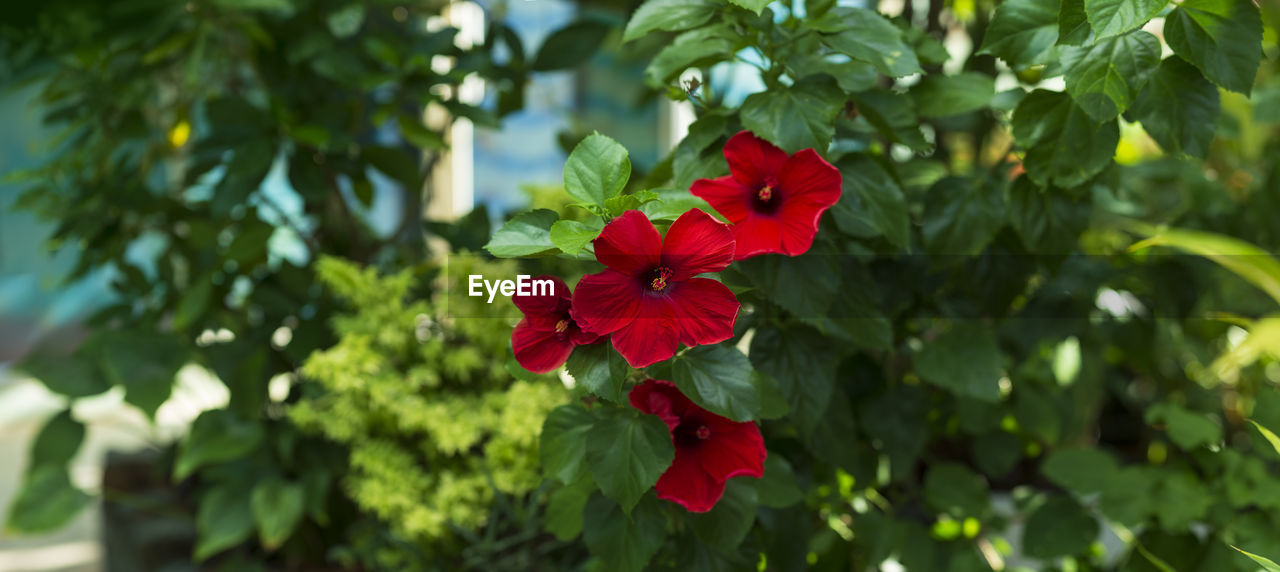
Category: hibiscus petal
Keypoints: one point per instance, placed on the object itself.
(797, 225)
(697, 243)
(538, 351)
(807, 177)
(753, 160)
(725, 194)
(733, 449)
(704, 311)
(629, 244)
(543, 304)
(653, 336)
(654, 397)
(758, 234)
(606, 301)
(686, 484)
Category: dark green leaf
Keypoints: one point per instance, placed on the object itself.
(277, 507)
(563, 443)
(600, 369)
(1114, 17)
(623, 542)
(565, 508)
(872, 198)
(1059, 527)
(867, 36)
(526, 234)
(953, 489)
(1187, 429)
(778, 489)
(1065, 147)
(46, 501)
(797, 117)
(1104, 78)
(76, 375)
(144, 363)
(1081, 471)
(729, 521)
(1022, 31)
(626, 452)
(1221, 37)
(671, 203)
(803, 364)
(704, 45)
(964, 360)
(1178, 108)
(719, 378)
(223, 521)
(217, 435)
(58, 442)
(1073, 23)
(570, 46)
(943, 95)
(962, 216)
(669, 15)
(1048, 220)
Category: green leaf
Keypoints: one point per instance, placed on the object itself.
(46, 501)
(719, 378)
(800, 116)
(600, 369)
(803, 285)
(945, 95)
(961, 216)
(755, 6)
(1079, 470)
(563, 443)
(1115, 17)
(627, 452)
(597, 170)
(623, 203)
(277, 507)
(1267, 434)
(669, 15)
(623, 542)
(893, 116)
(995, 453)
(526, 234)
(223, 521)
(194, 302)
(345, 22)
(701, 46)
(671, 203)
(216, 436)
(76, 375)
(58, 442)
(1048, 220)
(1073, 23)
(777, 488)
(1178, 108)
(570, 46)
(1187, 429)
(565, 508)
(1065, 147)
(803, 364)
(964, 360)
(393, 162)
(1059, 527)
(1247, 261)
(1264, 562)
(144, 363)
(1022, 31)
(867, 36)
(571, 236)
(1221, 37)
(953, 489)
(729, 521)
(1104, 78)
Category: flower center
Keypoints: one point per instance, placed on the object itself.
(561, 326)
(766, 199)
(658, 278)
(703, 432)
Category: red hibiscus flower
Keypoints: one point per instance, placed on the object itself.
(773, 200)
(710, 449)
(648, 298)
(547, 335)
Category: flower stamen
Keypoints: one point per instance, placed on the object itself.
(703, 432)
(561, 326)
(765, 194)
(660, 276)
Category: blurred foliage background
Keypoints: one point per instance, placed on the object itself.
(367, 430)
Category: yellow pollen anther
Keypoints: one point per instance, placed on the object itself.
(765, 194)
(561, 326)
